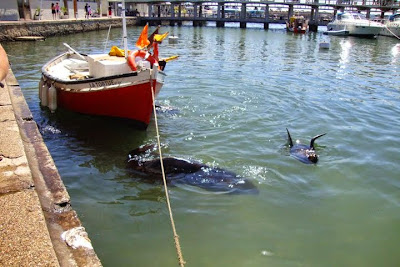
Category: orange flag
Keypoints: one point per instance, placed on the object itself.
(143, 42)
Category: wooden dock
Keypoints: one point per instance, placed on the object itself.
(30, 38)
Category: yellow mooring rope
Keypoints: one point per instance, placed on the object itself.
(176, 237)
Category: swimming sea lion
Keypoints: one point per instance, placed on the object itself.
(182, 171)
(304, 153)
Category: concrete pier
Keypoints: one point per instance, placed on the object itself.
(38, 226)
(11, 30)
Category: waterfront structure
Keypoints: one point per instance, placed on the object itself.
(318, 12)
(14, 10)
(277, 11)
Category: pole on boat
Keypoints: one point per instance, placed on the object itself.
(73, 50)
(108, 37)
(125, 40)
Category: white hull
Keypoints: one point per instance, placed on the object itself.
(356, 29)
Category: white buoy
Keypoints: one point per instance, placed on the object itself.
(173, 39)
(52, 99)
(324, 45)
(43, 94)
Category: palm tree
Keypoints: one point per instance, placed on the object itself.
(66, 6)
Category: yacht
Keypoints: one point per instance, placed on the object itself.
(354, 24)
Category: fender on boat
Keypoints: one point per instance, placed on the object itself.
(139, 53)
(41, 82)
(43, 88)
(52, 98)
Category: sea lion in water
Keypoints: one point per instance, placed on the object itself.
(304, 153)
(182, 171)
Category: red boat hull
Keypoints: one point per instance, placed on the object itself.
(131, 102)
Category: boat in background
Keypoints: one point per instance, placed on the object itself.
(118, 84)
(392, 26)
(297, 24)
(353, 24)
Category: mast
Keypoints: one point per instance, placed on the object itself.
(124, 29)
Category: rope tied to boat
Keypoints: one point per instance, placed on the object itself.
(176, 237)
(387, 28)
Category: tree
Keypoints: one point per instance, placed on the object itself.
(66, 6)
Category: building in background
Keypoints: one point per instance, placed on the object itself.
(13, 10)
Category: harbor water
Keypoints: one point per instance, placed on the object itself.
(227, 102)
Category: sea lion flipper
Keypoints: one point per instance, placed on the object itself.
(289, 138)
(314, 138)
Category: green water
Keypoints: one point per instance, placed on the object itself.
(235, 92)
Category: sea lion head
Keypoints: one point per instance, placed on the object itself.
(311, 155)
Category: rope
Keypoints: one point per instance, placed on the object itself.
(176, 237)
(392, 32)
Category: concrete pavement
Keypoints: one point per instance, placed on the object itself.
(38, 227)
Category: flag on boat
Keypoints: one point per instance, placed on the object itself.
(151, 38)
(143, 42)
(160, 37)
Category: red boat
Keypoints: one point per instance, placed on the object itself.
(104, 84)
(100, 85)
(297, 24)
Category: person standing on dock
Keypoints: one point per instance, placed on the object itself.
(86, 11)
(4, 65)
(109, 10)
(57, 11)
(53, 10)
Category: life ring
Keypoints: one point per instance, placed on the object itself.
(139, 53)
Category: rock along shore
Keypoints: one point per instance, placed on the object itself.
(38, 227)
(10, 30)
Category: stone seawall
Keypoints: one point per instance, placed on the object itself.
(9, 31)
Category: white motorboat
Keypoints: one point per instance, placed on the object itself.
(392, 26)
(354, 24)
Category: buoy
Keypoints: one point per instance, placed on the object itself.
(43, 94)
(173, 39)
(52, 98)
(324, 45)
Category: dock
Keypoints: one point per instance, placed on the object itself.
(38, 226)
(30, 38)
(264, 12)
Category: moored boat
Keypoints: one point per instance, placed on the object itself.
(297, 24)
(392, 26)
(100, 85)
(353, 24)
(119, 84)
